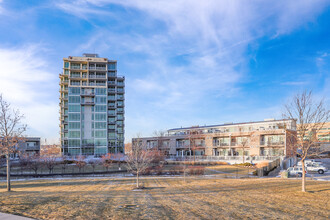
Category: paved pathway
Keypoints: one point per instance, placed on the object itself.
(4, 216)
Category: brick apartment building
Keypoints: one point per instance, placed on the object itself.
(261, 138)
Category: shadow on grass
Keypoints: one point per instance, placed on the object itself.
(321, 190)
(56, 183)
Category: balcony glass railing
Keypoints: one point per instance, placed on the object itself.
(75, 67)
(97, 76)
(97, 68)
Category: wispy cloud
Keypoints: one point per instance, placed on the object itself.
(294, 83)
(27, 83)
(1, 7)
(199, 55)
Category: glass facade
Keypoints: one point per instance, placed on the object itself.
(91, 124)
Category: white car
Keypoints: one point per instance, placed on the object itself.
(295, 171)
(312, 161)
(315, 167)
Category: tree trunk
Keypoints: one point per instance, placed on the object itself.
(137, 179)
(243, 155)
(8, 173)
(303, 177)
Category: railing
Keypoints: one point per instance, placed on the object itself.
(96, 84)
(112, 82)
(97, 68)
(88, 103)
(223, 158)
(88, 93)
(75, 67)
(97, 77)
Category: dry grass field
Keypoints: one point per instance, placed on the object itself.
(167, 198)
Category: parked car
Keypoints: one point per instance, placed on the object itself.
(295, 171)
(310, 161)
(316, 167)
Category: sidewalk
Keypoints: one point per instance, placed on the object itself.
(4, 216)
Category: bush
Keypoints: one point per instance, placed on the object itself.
(196, 170)
(68, 162)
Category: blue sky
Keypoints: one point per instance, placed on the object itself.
(186, 62)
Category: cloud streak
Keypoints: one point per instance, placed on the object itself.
(27, 83)
(198, 56)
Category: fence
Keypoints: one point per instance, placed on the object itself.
(263, 171)
(59, 170)
(223, 158)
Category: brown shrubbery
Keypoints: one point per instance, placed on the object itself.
(196, 170)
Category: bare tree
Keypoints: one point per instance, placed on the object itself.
(64, 163)
(93, 164)
(11, 131)
(80, 162)
(117, 158)
(49, 156)
(193, 136)
(139, 159)
(160, 138)
(34, 163)
(244, 144)
(107, 161)
(23, 161)
(311, 115)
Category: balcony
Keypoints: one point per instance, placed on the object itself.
(111, 82)
(87, 103)
(97, 68)
(110, 74)
(271, 143)
(64, 82)
(63, 90)
(73, 76)
(87, 145)
(89, 94)
(97, 76)
(96, 84)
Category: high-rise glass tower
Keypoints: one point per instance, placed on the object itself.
(91, 106)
